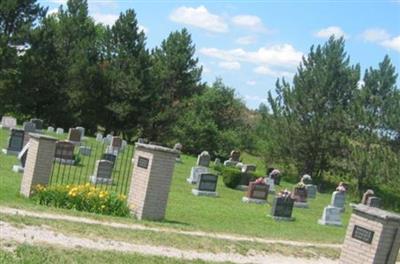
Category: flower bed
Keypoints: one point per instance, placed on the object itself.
(85, 197)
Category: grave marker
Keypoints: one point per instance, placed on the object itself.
(206, 185)
(331, 216)
(38, 123)
(15, 142)
(8, 122)
(64, 152)
(103, 172)
(74, 136)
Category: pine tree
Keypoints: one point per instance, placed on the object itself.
(314, 113)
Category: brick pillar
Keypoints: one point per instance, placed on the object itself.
(372, 237)
(151, 180)
(39, 162)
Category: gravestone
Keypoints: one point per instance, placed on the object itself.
(366, 195)
(85, 150)
(15, 142)
(74, 136)
(206, 185)
(99, 137)
(203, 159)
(124, 144)
(103, 172)
(271, 183)
(256, 193)
(235, 155)
(374, 201)
(195, 174)
(29, 127)
(115, 145)
(109, 156)
(245, 176)
(22, 158)
(299, 195)
(338, 200)
(178, 147)
(82, 130)
(372, 236)
(64, 152)
(275, 175)
(331, 216)
(107, 139)
(311, 191)
(282, 208)
(50, 129)
(8, 122)
(60, 131)
(38, 123)
(217, 162)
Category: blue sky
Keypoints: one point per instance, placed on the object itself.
(252, 43)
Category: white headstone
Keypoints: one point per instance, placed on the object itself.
(60, 131)
(270, 182)
(338, 200)
(99, 137)
(50, 129)
(331, 216)
(8, 122)
(195, 174)
(203, 159)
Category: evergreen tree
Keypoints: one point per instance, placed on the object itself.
(177, 76)
(128, 75)
(17, 19)
(315, 112)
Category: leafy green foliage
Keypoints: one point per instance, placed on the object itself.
(82, 198)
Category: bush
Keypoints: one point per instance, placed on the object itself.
(231, 177)
(82, 198)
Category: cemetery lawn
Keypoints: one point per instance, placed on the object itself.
(49, 255)
(225, 214)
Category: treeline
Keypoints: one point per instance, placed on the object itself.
(69, 71)
(331, 125)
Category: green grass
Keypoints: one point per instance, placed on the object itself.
(223, 214)
(24, 254)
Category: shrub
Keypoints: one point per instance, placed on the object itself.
(231, 176)
(85, 197)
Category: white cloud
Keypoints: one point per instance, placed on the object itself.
(199, 17)
(229, 65)
(284, 55)
(392, 43)
(246, 40)
(375, 35)
(106, 19)
(329, 31)
(250, 22)
(265, 70)
(251, 82)
(382, 37)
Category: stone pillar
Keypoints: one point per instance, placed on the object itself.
(151, 180)
(39, 162)
(372, 237)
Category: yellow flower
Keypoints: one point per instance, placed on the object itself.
(103, 206)
(87, 185)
